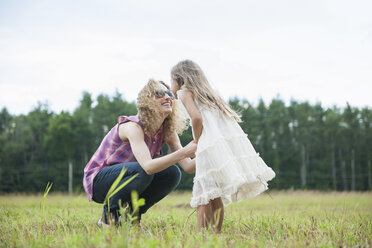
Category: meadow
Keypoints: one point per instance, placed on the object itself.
(278, 219)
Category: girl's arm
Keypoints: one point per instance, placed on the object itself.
(133, 133)
(187, 100)
(187, 164)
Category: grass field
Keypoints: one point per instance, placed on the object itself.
(284, 219)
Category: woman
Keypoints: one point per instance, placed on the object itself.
(135, 143)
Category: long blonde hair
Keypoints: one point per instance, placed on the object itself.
(148, 114)
(188, 74)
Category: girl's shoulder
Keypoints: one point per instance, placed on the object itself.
(181, 91)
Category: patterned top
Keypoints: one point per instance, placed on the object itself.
(114, 151)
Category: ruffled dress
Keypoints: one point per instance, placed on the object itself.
(227, 165)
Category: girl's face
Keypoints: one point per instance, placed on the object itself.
(164, 99)
(174, 87)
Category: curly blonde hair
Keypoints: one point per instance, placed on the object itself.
(175, 122)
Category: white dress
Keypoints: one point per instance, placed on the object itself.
(227, 165)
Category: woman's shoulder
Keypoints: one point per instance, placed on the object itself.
(129, 129)
(124, 118)
(129, 122)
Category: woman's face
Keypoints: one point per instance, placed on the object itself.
(163, 99)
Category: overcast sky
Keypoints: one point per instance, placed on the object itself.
(316, 51)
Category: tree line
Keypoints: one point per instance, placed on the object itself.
(308, 146)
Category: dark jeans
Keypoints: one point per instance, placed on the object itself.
(152, 188)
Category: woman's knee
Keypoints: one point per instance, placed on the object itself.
(174, 175)
(144, 179)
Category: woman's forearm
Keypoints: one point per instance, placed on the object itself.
(158, 164)
(188, 165)
(152, 166)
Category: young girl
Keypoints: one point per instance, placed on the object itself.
(228, 169)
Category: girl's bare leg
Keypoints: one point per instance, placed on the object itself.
(217, 213)
(205, 216)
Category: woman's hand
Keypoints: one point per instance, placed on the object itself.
(187, 164)
(190, 149)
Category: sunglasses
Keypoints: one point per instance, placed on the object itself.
(161, 93)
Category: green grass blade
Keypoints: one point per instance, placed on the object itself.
(113, 186)
(115, 183)
(136, 204)
(47, 189)
(122, 185)
(114, 189)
